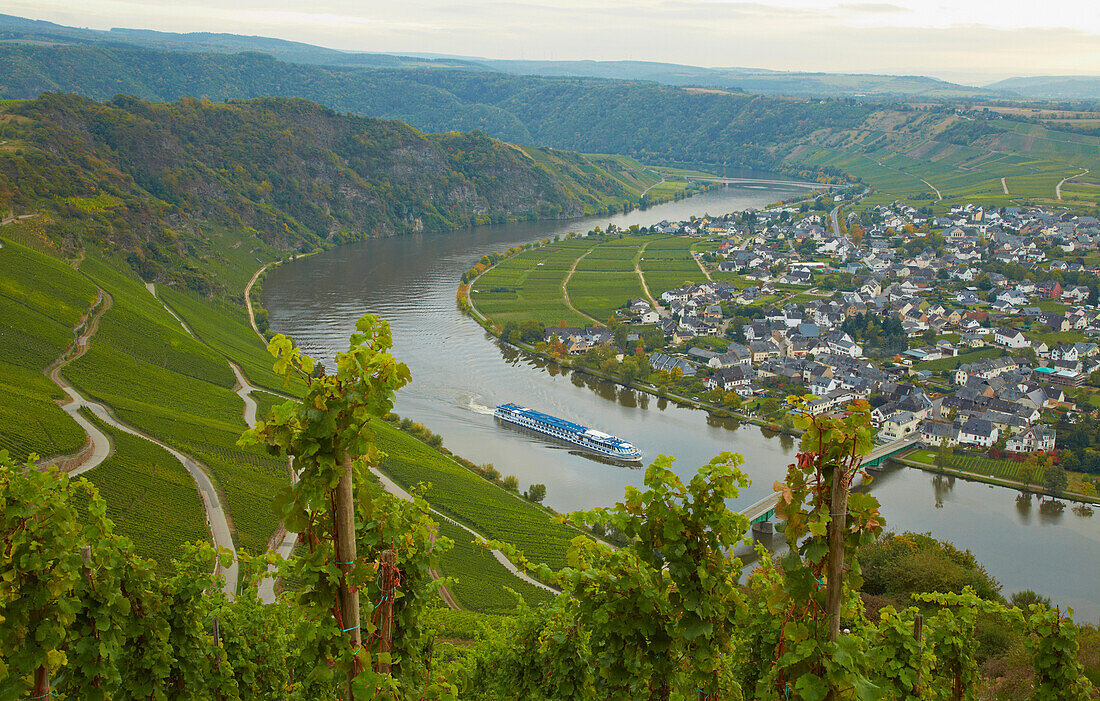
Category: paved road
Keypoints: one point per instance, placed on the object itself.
(244, 390)
(1058, 187)
(215, 514)
(835, 221)
(99, 444)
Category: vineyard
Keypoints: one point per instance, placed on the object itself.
(480, 580)
(149, 495)
(225, 328)
(41, 300)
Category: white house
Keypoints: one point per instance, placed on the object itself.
(979, 432)
(1010, 338)
(1033, 439)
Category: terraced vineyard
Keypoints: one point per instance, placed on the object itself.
(468, 498)
(481, 579)
(41, 300)
(150, 497)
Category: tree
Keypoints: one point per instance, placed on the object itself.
(1055, 480)
(943, 456)
(536, 493)
(511, 483)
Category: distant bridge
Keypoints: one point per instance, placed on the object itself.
(764, 509)
(757, 181)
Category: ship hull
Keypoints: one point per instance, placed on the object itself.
(590, 440)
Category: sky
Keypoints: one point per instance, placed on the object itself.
(970, 41)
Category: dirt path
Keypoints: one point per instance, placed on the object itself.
(444, 592)
(641, 276)
(1058, 187)
(153, 291)
(651, 187)
(1004, 185)
(565, 284)
(702, 268)
(938, 195)
(215, 514)
(248, 301)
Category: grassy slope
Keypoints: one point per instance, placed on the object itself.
(41, 300)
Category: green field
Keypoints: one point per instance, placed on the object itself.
(41, 300)
(480, 578)
(151, 498)
(473, 500)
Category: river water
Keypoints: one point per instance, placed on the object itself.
(460, 372)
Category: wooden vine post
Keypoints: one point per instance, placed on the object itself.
(389, 584)
(346, 556)
(328, 436)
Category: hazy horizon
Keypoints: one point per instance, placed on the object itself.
(975, 42)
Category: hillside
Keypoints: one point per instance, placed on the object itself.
(755, 80)
(1051, 87)
(938, 152)
(153, 179)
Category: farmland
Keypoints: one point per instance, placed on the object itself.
(528, 285)
(149, 495)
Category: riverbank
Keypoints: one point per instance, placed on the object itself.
(907, 460)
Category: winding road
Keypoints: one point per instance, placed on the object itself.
(1058, 187)
(102, 448)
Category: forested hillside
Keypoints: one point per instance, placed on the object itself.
(606, 116)
(151, 179)
(941, 152)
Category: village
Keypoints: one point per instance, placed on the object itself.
(973, 329)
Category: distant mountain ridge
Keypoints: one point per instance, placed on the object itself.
(761, 81)
(1051, 87)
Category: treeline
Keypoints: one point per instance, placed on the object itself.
(147, 178)
(646, 120)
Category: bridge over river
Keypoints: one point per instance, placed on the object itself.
(764, 509)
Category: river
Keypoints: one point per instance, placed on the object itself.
(460, 372)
